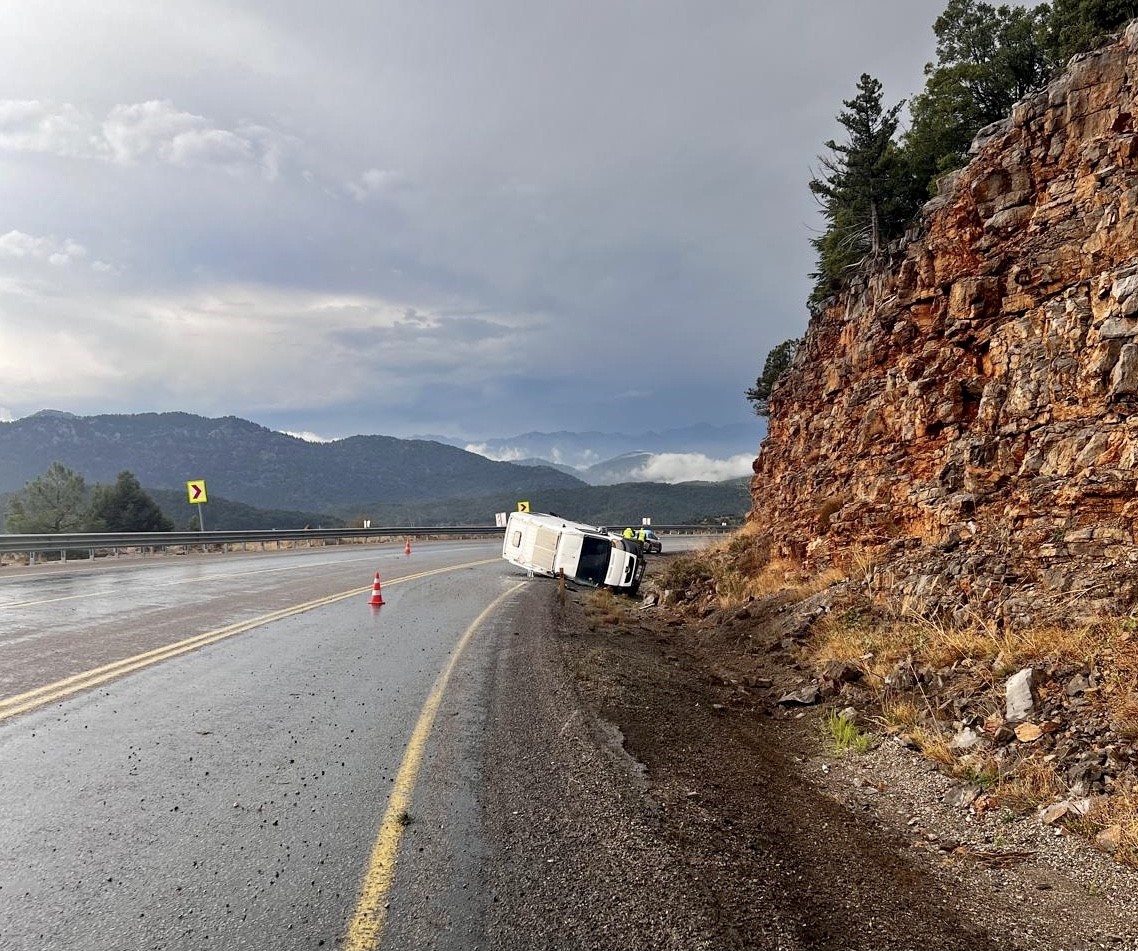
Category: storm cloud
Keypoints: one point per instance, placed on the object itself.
(472, 219)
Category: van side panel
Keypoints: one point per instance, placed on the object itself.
(544, 551)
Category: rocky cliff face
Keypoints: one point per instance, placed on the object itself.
(966, 414)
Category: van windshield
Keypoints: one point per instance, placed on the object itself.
(593, 564)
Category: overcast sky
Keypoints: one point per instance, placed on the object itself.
(468, 218)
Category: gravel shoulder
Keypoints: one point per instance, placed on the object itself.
(642, 793)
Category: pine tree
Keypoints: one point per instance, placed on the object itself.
(862, 193)
(51, 503)
(987, 59)
(126, 507)
(778, 359)
(1075, 26)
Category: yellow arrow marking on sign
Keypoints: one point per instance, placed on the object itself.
(61, 689)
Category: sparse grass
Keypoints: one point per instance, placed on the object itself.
(879, 646)
(1120, 809)
(740, 568)
(845, 735)
(979, 770)
(899, 713)
(602, 607)
(1125, 718)
(685, 571)
(1028, 784)
(934, 745)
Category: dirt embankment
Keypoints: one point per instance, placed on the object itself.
(688, 808)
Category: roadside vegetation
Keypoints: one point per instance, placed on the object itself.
(59, 501)
(938, 685)
(871, 183)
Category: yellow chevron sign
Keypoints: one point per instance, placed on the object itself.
(195, 491)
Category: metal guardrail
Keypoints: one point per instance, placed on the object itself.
(87, 541)
(108, 541)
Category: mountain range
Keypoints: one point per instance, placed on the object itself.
(257, 477)
(248, 463)
(584, 449)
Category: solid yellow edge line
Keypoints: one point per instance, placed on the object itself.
(60, 689)
(367, 923)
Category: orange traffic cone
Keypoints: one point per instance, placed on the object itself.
(376, 594)
(407, 547)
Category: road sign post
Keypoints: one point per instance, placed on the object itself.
(196, 494)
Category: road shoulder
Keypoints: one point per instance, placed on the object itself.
(638, 798)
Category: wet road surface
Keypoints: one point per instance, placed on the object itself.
(228, 797)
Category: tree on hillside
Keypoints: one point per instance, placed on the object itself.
(776, 362)
(863, 197)
(49, 504)
(1075, 26)
(125, 507)
(988, 58)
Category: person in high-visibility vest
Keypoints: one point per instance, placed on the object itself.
(629, 534)
(642, 536)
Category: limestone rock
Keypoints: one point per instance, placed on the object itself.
(1110, 839)
(966, 739)
(805, 697)
(972, 399)
(1020, 696)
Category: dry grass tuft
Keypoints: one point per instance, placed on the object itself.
(1030, 783)
(602, 607)
(741, 568)
(1120, 809)
(1125, 717)
(934, 745)
(900, 714)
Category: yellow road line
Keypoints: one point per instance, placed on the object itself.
(49, 693)
(367, 923)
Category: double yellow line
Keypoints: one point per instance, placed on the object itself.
(61, 689)
(366, 926)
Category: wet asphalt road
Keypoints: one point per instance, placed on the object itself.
(230, 797)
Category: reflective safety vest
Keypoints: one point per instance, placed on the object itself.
(641, 536)
(628, 533)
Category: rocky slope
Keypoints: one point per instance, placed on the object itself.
(964, 415)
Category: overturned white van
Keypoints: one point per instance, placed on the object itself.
(549, 544)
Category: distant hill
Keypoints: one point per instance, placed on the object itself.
(636, 466)
(682, 503)
(620, 469)
(588, 448)
(224, 515)
(244, 462)
(568, 470)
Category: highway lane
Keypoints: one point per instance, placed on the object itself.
(233, 797)
(238, 796)
(59, 620)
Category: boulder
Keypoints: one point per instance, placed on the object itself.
(1019, 692)
(805, 697)
(1110, 839)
